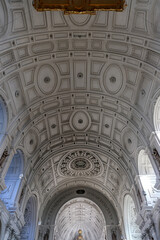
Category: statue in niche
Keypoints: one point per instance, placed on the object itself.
(139, 196)
(3, 158)
(46, 236)
(156, 156)
(114, 236)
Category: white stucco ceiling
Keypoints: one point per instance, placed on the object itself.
(80, 87)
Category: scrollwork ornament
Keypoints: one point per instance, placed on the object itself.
(80, 163)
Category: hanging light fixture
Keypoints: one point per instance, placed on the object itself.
(79, 6)
(80, 235)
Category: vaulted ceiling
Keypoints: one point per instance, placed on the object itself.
(80, 213)
(80, 92)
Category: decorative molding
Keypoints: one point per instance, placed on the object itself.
(80, 163)
(3, 158)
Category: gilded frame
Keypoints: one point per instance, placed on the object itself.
(79, 6)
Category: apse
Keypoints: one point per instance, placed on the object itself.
(80, 214)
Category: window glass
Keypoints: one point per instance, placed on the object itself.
(12, 180)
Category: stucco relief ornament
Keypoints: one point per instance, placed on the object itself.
(3, 158)
(156, 157)
(80, 163)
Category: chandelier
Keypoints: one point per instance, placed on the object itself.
(80, 235)
(79, 6)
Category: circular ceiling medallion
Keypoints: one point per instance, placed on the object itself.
(80, 163)
(113, 79)
(80, 121)
(46, 80)
(80, 75)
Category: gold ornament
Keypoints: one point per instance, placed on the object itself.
(79, 6)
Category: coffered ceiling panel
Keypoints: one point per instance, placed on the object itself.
(80, 85)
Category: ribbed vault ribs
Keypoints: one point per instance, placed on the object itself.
(76, 214)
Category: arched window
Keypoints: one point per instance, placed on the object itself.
(12, 180)
(28, 230)
(156, 117)
(131, 228)
(147, 175)
(3, 119)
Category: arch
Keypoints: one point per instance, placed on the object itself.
(56, 202)
(130, 215)
(29, 228)
(156, 117)
(3, 118)
(147, 175)
(53, 206)
(80, 213)
(13, 180)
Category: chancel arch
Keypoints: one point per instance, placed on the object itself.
(88, 197)
(80, 214)
(13, 180)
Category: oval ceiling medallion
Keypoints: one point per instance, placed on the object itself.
(80, 163)
(129, 140)
(31, 141)
(113, 79)
(80, 121)
(79, 19)
(46, 80)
